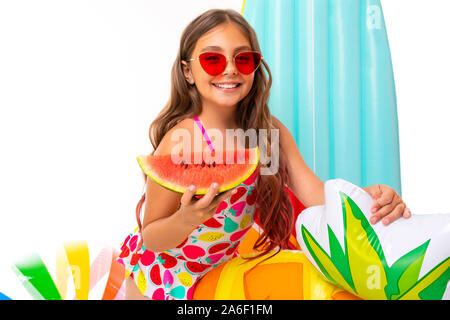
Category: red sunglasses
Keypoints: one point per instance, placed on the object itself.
(215, 63)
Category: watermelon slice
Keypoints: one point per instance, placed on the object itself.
(234, 168)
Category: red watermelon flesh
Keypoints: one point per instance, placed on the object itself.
(227, 168)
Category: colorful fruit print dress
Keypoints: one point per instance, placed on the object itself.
(172, 274)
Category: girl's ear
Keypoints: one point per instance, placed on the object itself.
(187, 73)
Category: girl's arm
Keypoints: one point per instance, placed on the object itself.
(388, 206)
(162, 226)
(308, 188)
(166, 224)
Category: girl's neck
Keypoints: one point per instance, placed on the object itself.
(220, 118)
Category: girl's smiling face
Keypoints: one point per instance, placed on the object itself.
(228, 40)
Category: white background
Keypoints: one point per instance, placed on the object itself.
(81, 81)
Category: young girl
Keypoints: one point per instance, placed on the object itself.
(219, 82)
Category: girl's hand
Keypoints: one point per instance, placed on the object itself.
(388, 205)
(196, 212)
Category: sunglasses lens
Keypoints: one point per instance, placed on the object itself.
(247, 62)
(213, 63)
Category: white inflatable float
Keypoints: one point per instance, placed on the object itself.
(409, 259)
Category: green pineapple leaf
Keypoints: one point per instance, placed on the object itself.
(364, 252)
(404, 272)
(339, 258)
(432, 285)
(323, 260)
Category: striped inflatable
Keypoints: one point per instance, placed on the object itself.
(77, 270)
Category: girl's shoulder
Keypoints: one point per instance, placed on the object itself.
(181, 136)
(276, 123)
(283, 131)
(286, 138)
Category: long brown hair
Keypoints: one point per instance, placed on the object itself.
(275, 209)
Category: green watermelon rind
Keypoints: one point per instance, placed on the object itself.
(201, 191)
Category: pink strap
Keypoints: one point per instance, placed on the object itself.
(197, 120)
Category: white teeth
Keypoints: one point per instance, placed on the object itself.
(226, 86)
